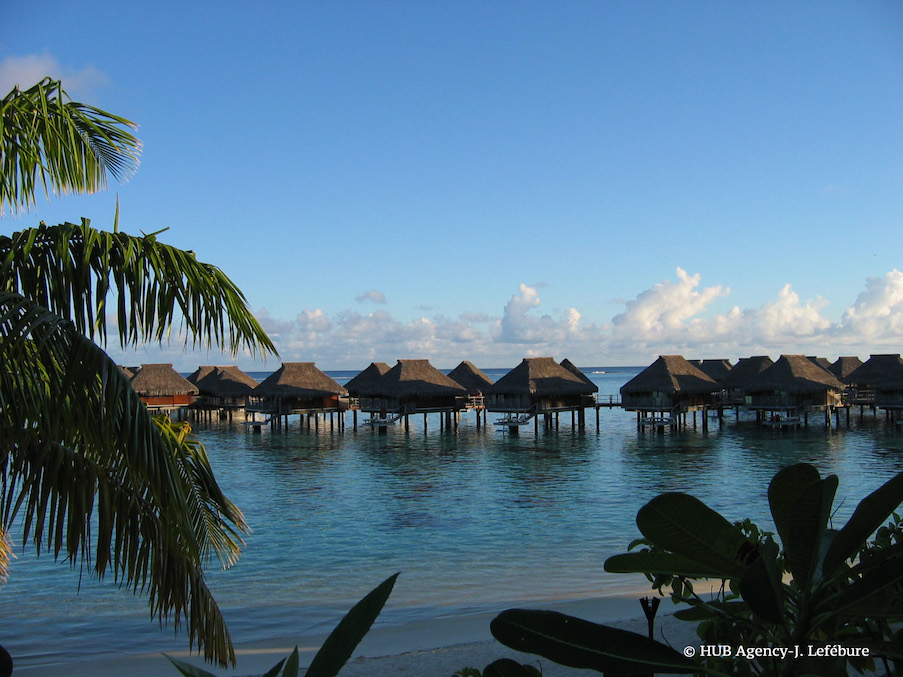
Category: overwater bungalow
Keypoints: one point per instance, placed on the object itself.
(667, 390)
(790, 389)
(740, 376)
(362, 384)
(475, 382)
(298, 388)
(161, 387)
(539, 385)
(844, 366)
(414, 386)
(716, 369)
(862, 380)
(221, 388)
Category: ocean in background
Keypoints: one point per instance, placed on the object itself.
(474, 519)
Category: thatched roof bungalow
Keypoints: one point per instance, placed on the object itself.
(863, 379)
(475, 382)
(742, 374)
(541, 384)
(362, 384)
(794, 382)
(844, 366)
(669, 382)
(161, 387)
(416, 385)
(222, 387)
(298, 387)
(716, 369)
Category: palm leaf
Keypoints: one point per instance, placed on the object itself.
(71, 270)
(77, 442)
(59, 145)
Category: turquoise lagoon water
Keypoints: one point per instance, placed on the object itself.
(474, 519)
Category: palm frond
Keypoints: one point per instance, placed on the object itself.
(71, 270)
(76, 442)
(49, 141)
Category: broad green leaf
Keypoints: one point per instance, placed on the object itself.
(868, 516)
(783, 491)
(807, 525)
(578, 643)
(658, 563)
(688, 527)
(761, 586)
(340, 644)
(292, 665)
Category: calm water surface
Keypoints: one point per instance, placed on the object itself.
(475, 519)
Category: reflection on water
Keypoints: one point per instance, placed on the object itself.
(473, 518)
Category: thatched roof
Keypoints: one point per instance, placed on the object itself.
(473, 380)
(794, 374)
(746, 371)
(129, 372)
(822, 362)
(160, 380)
(416, 378)
(716, 369)
(876, 368)
(571, 367)
(363, 383)
(222, 381)
(670, 374)
(844, 366)
(542, 376)
(298, 379)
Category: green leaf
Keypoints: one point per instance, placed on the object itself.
(189, 670)
(340, 644)
(688, 527)
(805, 546)
(862, 593)
(761, 586)
(578, 643)
(653, 562)
(276, 669)
(783, 491)
(292, 665)
(868, 516)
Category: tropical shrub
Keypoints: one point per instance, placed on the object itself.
(830, 597)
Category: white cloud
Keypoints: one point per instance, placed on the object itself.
(662, 312)
(372, 296)
(669, 317)
(30, 69)
(877, 315)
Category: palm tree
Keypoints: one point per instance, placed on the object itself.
(86, 473)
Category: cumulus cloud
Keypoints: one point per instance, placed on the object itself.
(30, 69)
(668, 317)
(877, 315)
(372, 296)
(664, 312)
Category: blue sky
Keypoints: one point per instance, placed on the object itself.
(603, 181)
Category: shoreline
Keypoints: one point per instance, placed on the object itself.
(436, 647)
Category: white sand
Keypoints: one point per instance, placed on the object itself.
(434, 648)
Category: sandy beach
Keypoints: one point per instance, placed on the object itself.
(435, 648)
